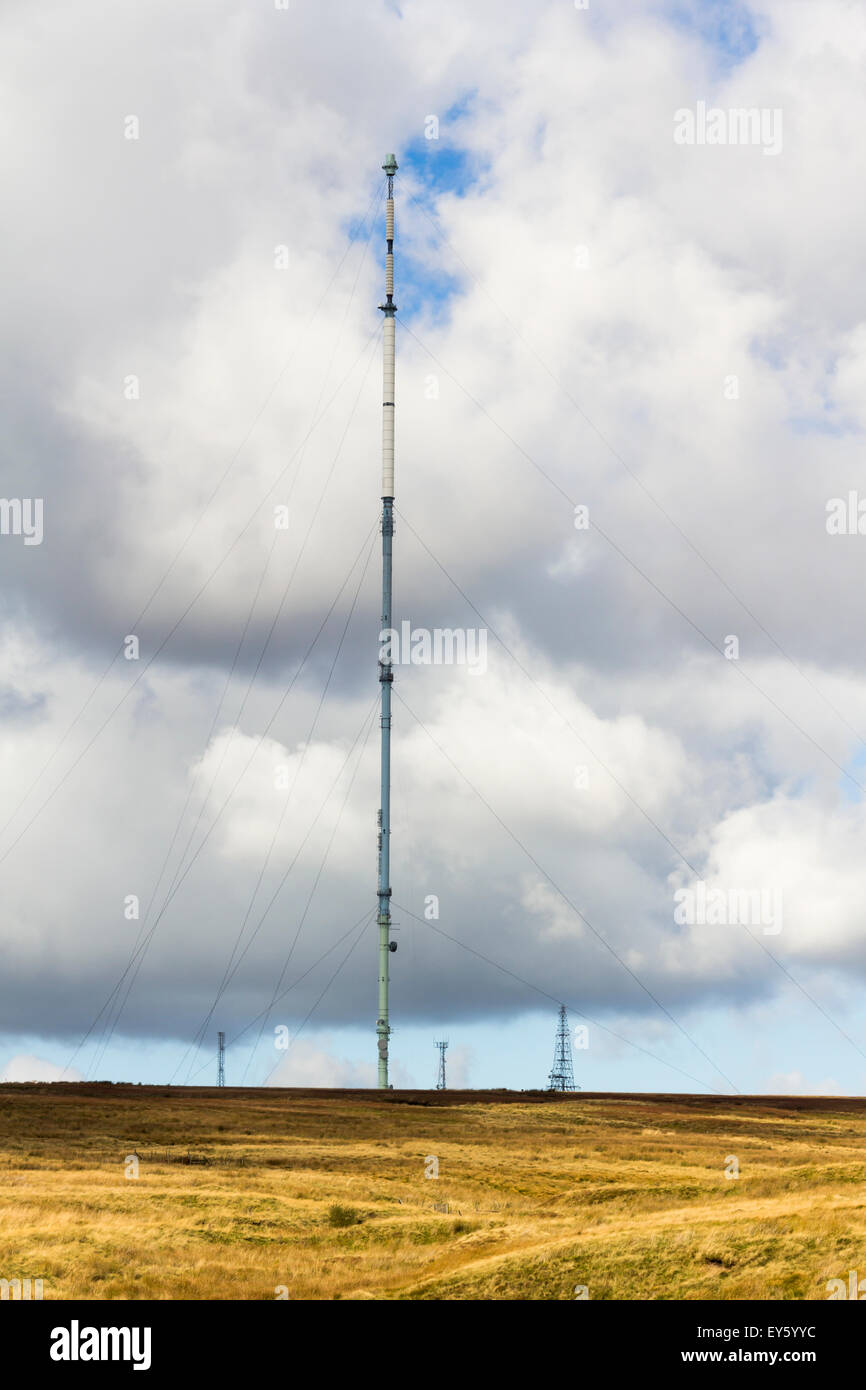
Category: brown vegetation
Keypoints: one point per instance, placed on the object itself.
(242, 1194)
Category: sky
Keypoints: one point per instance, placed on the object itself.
(631, 351)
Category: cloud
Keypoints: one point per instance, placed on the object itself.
(25, 1068)
(459, 1063)
(554, 804)
(306, 1064)
(795, 1084)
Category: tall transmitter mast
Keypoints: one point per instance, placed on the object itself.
(389, 309)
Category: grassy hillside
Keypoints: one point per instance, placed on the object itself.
(325, 1195)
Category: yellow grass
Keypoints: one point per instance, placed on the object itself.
(626, 1196)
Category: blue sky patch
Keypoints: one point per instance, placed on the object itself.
(856, 768)
(437, 164)
(817, 424)
(727, 26)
